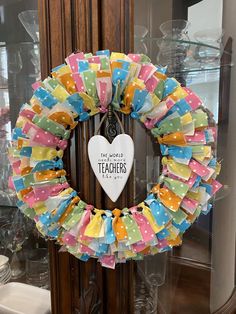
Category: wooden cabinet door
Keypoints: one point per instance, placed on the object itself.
(86, 25)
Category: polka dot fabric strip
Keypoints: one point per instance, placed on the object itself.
(79, 89)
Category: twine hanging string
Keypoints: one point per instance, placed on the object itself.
(106, 115)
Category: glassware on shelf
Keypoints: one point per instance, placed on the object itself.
(210, 52)
(31, 54)
(140, 32)
(13, 235)
(150, 275)
(35, 59)
(37, 271)
(14, 63)
(7, 196)
(4, 219)
(173, 45)
(3, 62)
(4, 118)
(176, 29)
(5, 270)
(29, 20)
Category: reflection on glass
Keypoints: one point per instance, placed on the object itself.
(140, 33)
(173, 46)
(5, 270)
(37, 273)
(19, 69)
(198, 274)
(13, 236)
(29, 20)
(150, 275)
(175, 29)
(210, 54)
(14, 65)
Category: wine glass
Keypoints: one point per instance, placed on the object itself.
(13, 235)
(150, 275)
(140, 33)
(173, 46)
(14, 64)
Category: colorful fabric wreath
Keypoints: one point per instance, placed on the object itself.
(77, 90)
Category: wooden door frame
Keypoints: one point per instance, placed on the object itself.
(86, 25)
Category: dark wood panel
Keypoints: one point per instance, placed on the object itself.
(117, 23)
(230, 306)
(225, 74)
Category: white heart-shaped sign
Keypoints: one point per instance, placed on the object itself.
(111, 163)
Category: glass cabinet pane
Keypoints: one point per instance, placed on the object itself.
(195, 53)
(19, 69)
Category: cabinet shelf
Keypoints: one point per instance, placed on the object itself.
(183, 56)
(180, 41)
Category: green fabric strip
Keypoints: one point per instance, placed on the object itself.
(75, 216)
(168, 126)
(51, 126)
(132, 229)
(178, 187)
(89, 79)
(200, 119)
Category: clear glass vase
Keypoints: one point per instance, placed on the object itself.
(173, 45)
(209, 50)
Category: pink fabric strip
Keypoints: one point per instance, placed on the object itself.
(36, 85)
(29, 114)
(79, 82)
(69, 239)
(162, 243)
(94, 59)
(42, 193)
(144, 225)
(198, 137)
(134, 57)
(189, 205)
(10, 183)
(198, 168)
(16, 167)
(190, 182)
(169, 103)
(85, 249)
(138, 247)
(216, 186)
(192, 99)
(76, 229)
(43, 137)
(108, 261)
(85, 220)
(151, 83)
(102, 93)
(146, 71)
(73, 61)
